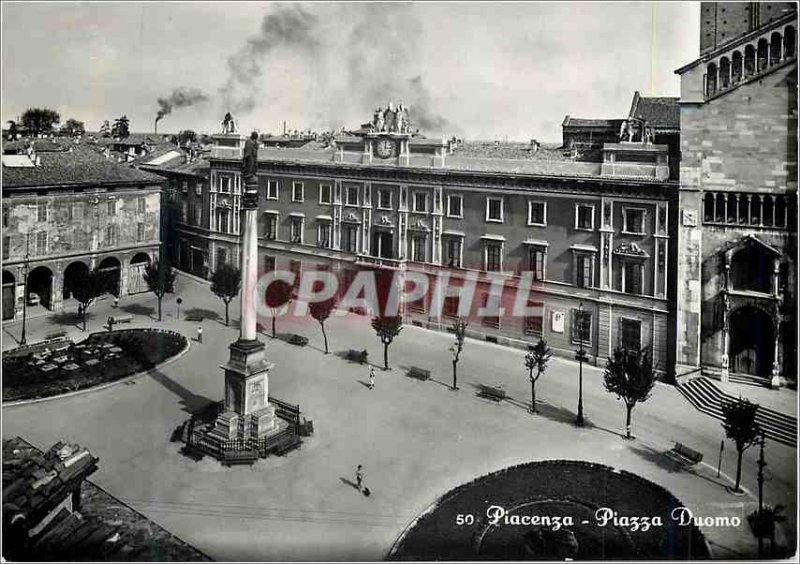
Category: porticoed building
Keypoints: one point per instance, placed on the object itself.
(737, 232)
(594, 236)
(66, 211)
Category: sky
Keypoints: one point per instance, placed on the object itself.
(473, 69)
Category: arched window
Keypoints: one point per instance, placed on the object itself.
(730, 217)
(736, 68)
(775, 48)
(749, 60)
(724, 72)
(755, 209)
(751, 269)
(719, 211)
(744, 208)
(708, 207)
(762, 55)
(711, 79)
(789, 43)
(780, 211)
(769, 218)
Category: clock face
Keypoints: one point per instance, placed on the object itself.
(384, 148)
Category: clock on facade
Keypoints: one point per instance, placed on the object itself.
(384, 148)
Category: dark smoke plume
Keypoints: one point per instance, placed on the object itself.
(289, 27)
(180, 98)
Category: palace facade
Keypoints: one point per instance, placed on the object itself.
(70, 209)
(737, 232)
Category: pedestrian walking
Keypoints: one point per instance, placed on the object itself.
(371, 377)
(359, 476)
(200, 334)
(116, 302)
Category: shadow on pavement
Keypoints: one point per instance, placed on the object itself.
(191, 402)
(656, 457)
(349, 483)
(199, 314)
(137, 309)
(363, 383)
(69, 318)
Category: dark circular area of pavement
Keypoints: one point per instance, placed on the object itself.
(552, 510)
(56, 367)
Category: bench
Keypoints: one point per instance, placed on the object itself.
(122, 319)
(55, 335)
(418, 373)
(298, 340)
(492, 393)
(685, 454)
(357, 356)
(193, 317)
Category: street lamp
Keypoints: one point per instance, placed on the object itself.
(26, 264)
(581, 357)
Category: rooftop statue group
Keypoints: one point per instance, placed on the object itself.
(390, 120)
(228, 125)
(630, 128)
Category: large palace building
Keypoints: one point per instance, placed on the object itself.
(68, 208)
(593, 237)
(737, 232)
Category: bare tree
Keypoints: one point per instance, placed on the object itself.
(460, 332)
(536, 359)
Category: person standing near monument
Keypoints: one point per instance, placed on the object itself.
(359, 477)
(371, 377)
(199, 333)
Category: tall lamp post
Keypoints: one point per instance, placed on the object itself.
(26, 265)
(581, 357)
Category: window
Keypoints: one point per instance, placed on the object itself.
(384, 199)
(296, 267)
(584, 277)
(223, 217)
(420, 202)
(184, 211)
(581, 326)
(351, 196)
(41, 211)
(272, 189)
(269, 263)
(112, 238)
(222, 256)
(198, 215)
(494, 255)
(324, 193)
(633, 219)
(630, 335)
(296, 232)
(533, 324)
(6, 246)
(271, 226)
(632, 277)
(297, 191)
(455, 205)
(224, 184)
(324, 235)
(450, 306)
(584, 217)
(537, 213)
(494, 210)
(198, 188)
(418, 245)
(112, 207)
(350, 238)
(489, 321)
(452, 252)
(140, 205)
(41, 242)
(5, 216)
(140, 231)
(536, 262)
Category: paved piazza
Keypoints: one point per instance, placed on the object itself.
(416, 440)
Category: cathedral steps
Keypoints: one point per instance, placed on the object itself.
(706, 397)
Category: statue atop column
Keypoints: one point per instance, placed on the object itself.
(250, 171)
(378, 121)
(228, 124)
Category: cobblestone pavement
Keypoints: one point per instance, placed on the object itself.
(416, 439)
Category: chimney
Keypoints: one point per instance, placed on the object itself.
(284, 128)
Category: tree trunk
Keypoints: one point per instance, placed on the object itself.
(226, 313)
(628, 422)
(386, 356)
(533, 391)
(273, 326)
(324, 337)
(159, 308)
(83, 315)
(455, 375)
(738, 469)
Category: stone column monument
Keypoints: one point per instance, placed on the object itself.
(248, 413)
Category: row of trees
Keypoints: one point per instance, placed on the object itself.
(120, 129)
(38, 121)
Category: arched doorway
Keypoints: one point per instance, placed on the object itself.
(72, 276)
(110, 270)
(136, 283)
(752, 342)
(40, 287)
(9, 295)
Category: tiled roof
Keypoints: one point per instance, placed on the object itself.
(582, 122)
(39, 145)
(661, 113)
(82, 165)
(177, 164)
(517, 151)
